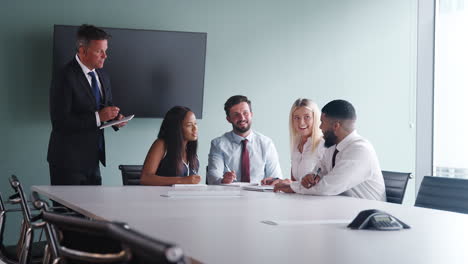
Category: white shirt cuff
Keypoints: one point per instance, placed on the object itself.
(296, 186)
(98, 120)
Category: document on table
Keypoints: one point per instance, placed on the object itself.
(208, 191)
(259, 188)
(115, 122)
(239, 184)
(190, 186)
(306, 222)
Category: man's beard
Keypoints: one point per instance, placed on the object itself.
(239, 129)
(330, 138)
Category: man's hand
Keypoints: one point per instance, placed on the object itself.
(108, 113)
(120, 117)
(270, 181)
(310, 180)
(229, 177)
(283, 187)
(192, 179)
(286, 181)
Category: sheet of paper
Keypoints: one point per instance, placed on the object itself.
(115, 122)
(306, 222)
(259, 188)
(239, 184)
(204, 193)
(189, 186)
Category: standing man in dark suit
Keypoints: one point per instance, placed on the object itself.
(80, 100)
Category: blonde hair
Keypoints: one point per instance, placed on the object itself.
(316, 135)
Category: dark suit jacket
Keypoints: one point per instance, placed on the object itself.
(74, 138)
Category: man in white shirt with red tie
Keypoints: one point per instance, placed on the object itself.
(349, 165)
(242, 155)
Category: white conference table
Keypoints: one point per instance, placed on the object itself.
(229, 230)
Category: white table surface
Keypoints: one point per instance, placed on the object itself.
(228, 230)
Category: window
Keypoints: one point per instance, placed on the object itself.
(451, 89)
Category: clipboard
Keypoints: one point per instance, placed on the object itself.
(115, 122)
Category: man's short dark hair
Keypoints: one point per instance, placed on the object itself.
(86, 33)
(339, 109)
(236, 99)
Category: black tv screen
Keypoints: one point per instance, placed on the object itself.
(150, 70)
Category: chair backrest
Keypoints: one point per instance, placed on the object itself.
(26, 244)
(7, 253)
(449, 194)
(134, 246)
(2, 219)
(131, 174)
(23, 200)
(82, 240)
(395, 185)
(147, 249)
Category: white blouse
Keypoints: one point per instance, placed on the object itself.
(303, 163)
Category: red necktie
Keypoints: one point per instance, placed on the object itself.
(245, 162)
(334, 157)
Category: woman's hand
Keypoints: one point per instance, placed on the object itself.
(192, 179)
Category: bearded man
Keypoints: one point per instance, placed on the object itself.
(242, 155)
(349, 166)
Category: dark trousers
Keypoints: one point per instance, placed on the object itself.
(66, 176)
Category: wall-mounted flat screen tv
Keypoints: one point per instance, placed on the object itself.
(150, 70)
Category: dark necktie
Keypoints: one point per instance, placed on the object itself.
(334, 157)
(97, 96)
(95, 86)
(245, 162)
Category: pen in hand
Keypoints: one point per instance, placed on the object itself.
(118, 113)
(318, 171)
(312, 181)
(228, 170)
(117, 117)
(317, 177)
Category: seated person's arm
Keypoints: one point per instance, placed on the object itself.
(305, 182)
(216, 167)
(273, 174)
(348, 173)
(292, 176)
(152, 161)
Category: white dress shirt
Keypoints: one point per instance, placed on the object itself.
(225, 155)
(356, 173)
(303, 163)
(88, 77)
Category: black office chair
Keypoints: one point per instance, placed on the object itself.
(131, 174)
(449, 194)
(395, 185)
(146, 249)
(27, 250)
(120, 243)
(7, 252)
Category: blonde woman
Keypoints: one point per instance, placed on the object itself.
(306, 141)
